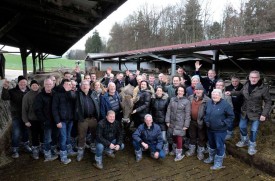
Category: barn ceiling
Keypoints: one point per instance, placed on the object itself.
(51, 26)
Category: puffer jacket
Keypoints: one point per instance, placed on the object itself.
(63, 105)
(178, 115)
(218, 116)
(142, 106)
(252, 106)
(150, 136)
(15, 95)
(158, 109)
(28, 111)
(202, 107)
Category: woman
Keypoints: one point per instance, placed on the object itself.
(219, 116)
(159, 105)
(142, 106)
(178, 120)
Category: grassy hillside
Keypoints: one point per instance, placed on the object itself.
(14, 62)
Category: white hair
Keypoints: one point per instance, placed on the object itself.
(148, 116)
(219, 91)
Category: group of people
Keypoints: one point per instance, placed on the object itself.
(88, 113)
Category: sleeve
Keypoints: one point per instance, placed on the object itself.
(78, 78)
(25, 109)
(160, 140)
(103, 109)
(229, 115)
(168, 113)
(120, 134)
(267, 101)
(5, 94)
(187, 114)
(137, 134)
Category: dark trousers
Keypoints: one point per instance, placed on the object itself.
(19, 132)
(83, 126)
(37, 132)
(197, 134)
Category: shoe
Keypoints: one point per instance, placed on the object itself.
(210, 159)
(218, 160)
(15, 153)
(48, 156)
(191, 150)
(138, 155)
(110, 153)
(98, 163)
(80, 154)
(243, 142)
(64, 159)
(200, 153)
(35, 152)
(252, 148)
(179, 155)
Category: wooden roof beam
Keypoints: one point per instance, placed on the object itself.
(13, 22)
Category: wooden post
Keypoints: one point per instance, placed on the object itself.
(173, 65)
(138, 64)
(23, 52)
(34, 62)
(119, 63)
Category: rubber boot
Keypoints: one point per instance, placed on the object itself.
(41, 148)
(173, 152)
(229, 135)
(98, 163)
(15, 153)
(64, 159)
(70, 151)
(27, 147)
(179, 155)
(138, 155)
(206, 150)
(80, 154)
(166, 148)
(191, 150)
(218, 160)
(48, 156)
(210, 159)
(35, 152)
(252, 148)
(243, 142)
(200, 153)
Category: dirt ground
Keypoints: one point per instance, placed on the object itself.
(124, 167)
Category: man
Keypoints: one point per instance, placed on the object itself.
(119, 82)
(30, 119)
(197, 129)
(93, 77)
(108, 80)
(255, 109)
(43, 110)
(170, 89)
(148, 137)
(110, 101)
(15, 96)
(130, 78)
(108, 138)
(88, 78)
(236, 100)
(152, 81)
(209, 82)
(74, 85)
(87, 113)
(186, 79)
(63, 114)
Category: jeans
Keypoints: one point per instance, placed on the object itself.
(55, 135)
(47, 138)
(152, 149)
(19, 130)
(36, 132)
(253, 130)
(65, 134)
(216, 141)
(100, 148)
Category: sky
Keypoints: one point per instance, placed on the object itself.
(217, 7)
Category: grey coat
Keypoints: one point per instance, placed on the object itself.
(201, 111)
(178, 115)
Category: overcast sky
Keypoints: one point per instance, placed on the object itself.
(217, 7)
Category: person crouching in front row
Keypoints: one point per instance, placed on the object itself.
(148, 136)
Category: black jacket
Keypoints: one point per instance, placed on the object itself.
(142, 106)
(158, 108)
(207, 84)
(63, 105)
(79, 110)
(43, 107)
(15, 95)
(237, 100)
(119, 85)
(106, 132)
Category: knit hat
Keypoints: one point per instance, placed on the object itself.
(20, 77)
(34, 82)
(199, 87)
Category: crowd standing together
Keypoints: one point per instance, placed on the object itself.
(196, 112)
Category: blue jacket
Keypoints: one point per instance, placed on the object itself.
(218, 116)
(105, 105)
(150, 136)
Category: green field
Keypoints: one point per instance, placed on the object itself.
(14, 62)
